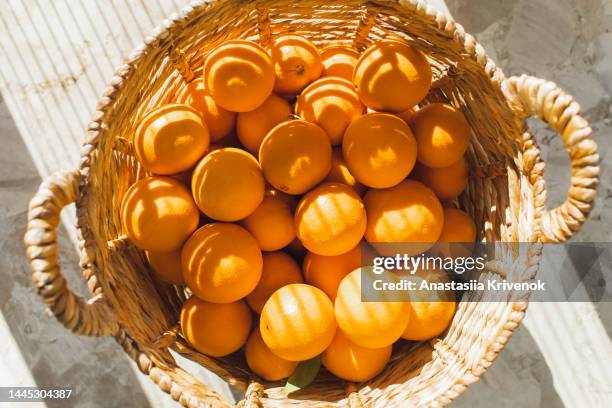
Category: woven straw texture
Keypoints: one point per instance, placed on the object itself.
(505, 195)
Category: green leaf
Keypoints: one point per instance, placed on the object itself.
(304, 374)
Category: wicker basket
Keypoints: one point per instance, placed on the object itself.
(506, 195)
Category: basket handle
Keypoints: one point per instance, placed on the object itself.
(91, 317)
(545, 100)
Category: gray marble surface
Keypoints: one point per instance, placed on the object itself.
(97, 368)
(569, 42)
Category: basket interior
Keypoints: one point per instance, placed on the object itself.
(498, 195)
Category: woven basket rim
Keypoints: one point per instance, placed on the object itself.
(104, 112)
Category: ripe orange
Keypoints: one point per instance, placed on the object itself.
(296, 249)
(228, 184)
(458, 234)
(158, 214)
(185, 176)
(458, 227)
(331, 103)
(330, 220)
(239, 75)
(430, 311)
(442, 134)
(171, 139)
(220, 122)
(392, 76)
(296, 62)
(272, 222)
(166, 266)
(372, 324)
(231, 140)
(221, 262)
(409, 213)
(263, 362)
(279, 269)
(252, 127)
(446, 182)
(406, 115)
(352, 362)
(297, 322)
(295, 156)
(215, 329)
(286, 198)
(340, 173)
(326, 272)
(339, 61)
(379, 149)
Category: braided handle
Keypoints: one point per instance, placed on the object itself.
(543, 99)
(93, 317)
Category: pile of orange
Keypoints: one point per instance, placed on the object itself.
(293, 155)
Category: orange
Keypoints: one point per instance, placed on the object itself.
(331, 103)
(239, 75)
(288, 199)
(230, 140)
(458, 227)
(376, 323)
(263, 362)
(220, 122)
(340, 173)
(408, 213)
(296, 62)
(158, 214)
(166, 266)
(215, 329)
(446, 182)
(212, 147)
(296, 249)
(271, 223)
(392, 76)
(171, 139)
(295, 156)
(227, 184)
(253, 126)
(430, 311)
(352, 362)
(379, 149)
(326, 272)
(185, 176)
(442, 134)
(330, 219)
(297, 322)
(458, 234)
(221, 262)
(406, 115)
(339, 61)
(279, 269)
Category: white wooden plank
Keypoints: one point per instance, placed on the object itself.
(57, 57)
